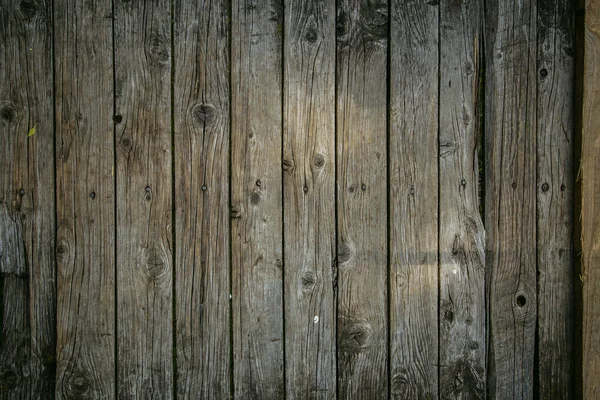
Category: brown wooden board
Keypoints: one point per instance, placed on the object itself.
(555, 258)
(590, 214)
(309, 191)
(144, 199)
(362, 262)
(257, 200)
(511, 191)
(462, 344)
(85, 194)
(413, 195)
(27, 201)
(201, 121)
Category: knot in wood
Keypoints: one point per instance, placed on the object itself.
(77, 386)
(118, 118)
(92, 195)
(288, 165)
(9, 379)
(126, 143)
(543, 72)
(159, 48)
(311, 35)
(545, 187)
(255, 198)
(28, 10)
(308, 280)
(344, 253)
(318, 160)
(204, 113)
(449, 316)
(355, 337)
(8, 113)
(155, 262)
(374, 20)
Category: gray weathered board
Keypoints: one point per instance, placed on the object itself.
(251, 199)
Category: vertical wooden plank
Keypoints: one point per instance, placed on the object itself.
(144, 199)
(555, 186)
(27, 202)
(462, 334)
(309, 209)
(201, 118)
(590, 214)
(85, 199)
(256, 197)
(414, 199)
(510, 221)
(362, 31)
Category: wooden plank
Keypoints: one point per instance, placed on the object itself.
(414, 199)
(590, 197)
(201, 99)
(511, 190)
(555, 262)
(362, 323)
(309, 190)
(256, 197)
(462, 333)
(27, 369)
(144, 199)
(85, 195)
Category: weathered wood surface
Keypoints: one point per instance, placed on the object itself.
(27, 202)
(510, 199)
(462, 315)
(555, 184)
(590, 216)
(142, 38)
(85, 193)
(413, 147)
(362, 320)
(309, 187)
(256, 197)
(201, 123)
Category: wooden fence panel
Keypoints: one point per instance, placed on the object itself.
(362, 321)
(462, 314)
(510, 203)
(257, 201)
(144, 199)
(414, 199)
(309, 191)
(27, 202)
(590, 214)
(201, 120)
(555, 184)
(85, 196)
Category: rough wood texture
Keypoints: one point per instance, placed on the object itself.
(414, 199)
(85, 195)
(256, 197)
(27, 202)
(309, 212)
(462, 237)
(144, 200)
(201, 118)
(555, 184)
(362, 320)
(590, 216)
(511, 190)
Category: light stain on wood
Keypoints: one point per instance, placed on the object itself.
(309, 187)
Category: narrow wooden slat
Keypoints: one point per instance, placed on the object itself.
(256, 197)
(27, 201)
(510, 203)
(144, 199)
(462, 261)
(85, 199)
(201, 100)
(555, 186)
(309, 191)
(414, 199)
(362, 323)
(590, 214)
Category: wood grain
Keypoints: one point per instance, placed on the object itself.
(309, 212)
(462, 315)
(590, 217)
(362, 323)
(555, 184)
(256, 197)
(414, 200)
(85, 196)
(27, 202)
(201, 120)
(511, 191)
(144, 199)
